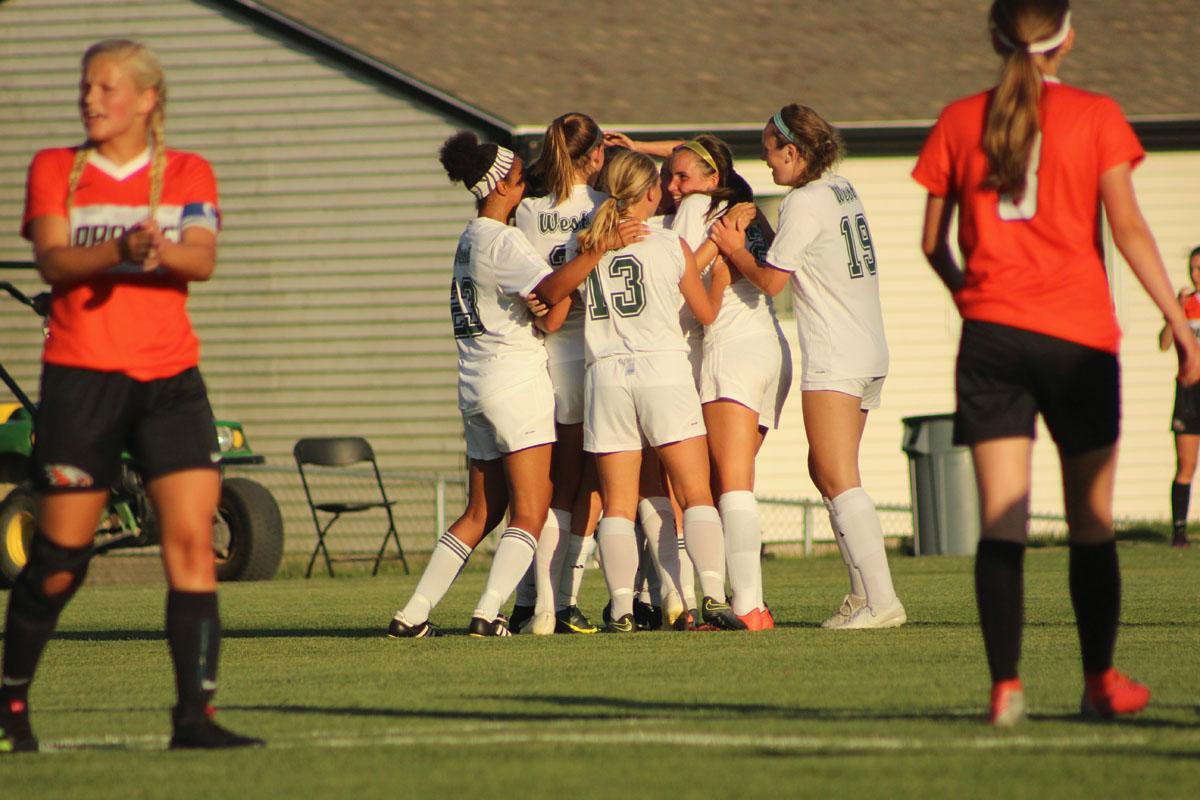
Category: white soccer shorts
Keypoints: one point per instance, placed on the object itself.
(754, 370)
(517, 418)
(646, 398)
(567, 377)
(869, 389)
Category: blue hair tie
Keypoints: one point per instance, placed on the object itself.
(782, 127)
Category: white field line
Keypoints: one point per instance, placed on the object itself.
(490, 734)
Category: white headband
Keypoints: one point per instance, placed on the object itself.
(495, 173)
(1045, 45)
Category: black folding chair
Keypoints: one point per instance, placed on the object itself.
(342, 451)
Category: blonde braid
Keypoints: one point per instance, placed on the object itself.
(158, 166)
(81, 157)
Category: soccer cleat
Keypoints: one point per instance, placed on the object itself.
(752, 619)
(572, 620)
(480, 627)
(399, 628)
(544, 624)
(685, 621)
(768, 618)
(1008, 703)
(647, 617)
(868, 618)
(624, 624)
(850, 604)
(520, 617)
(719, 615)
(206, 734)
(1111, 693)
(1180, 539)
(16, 734)
(672, 609)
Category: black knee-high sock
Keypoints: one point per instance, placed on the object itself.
(194, 636)
(1095, 579)
(33, 614)
(28, 626)
(1181, 494)
(1000, 595)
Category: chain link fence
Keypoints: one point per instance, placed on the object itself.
(425, 504)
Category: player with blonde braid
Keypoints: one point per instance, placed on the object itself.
(120, 226)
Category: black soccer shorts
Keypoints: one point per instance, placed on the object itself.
(87, 418)
(1006, 376)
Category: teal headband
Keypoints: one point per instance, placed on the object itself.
(782, 127)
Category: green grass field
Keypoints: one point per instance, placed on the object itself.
(792, 712)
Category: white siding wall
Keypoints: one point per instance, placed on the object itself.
(328, 312)
(923, 326)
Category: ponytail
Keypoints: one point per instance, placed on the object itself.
(568, 142)
(630, 176)
(1020, 29)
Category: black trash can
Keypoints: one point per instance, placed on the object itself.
(941, 477)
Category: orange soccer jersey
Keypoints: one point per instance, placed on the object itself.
(1191, 305)
(1036, 265)
(123, 320)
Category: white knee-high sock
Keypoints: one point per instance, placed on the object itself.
(649, 583)
(856, 583)
(618, 552)
(858, 521)
(662, 544)
(578, 554)
(449, 556)
(743, 546)
(551, 550)
(513, 556)
(687, 574)
(706, 545)
(527, 587)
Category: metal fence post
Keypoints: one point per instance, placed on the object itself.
(440, 500)
(808, 534)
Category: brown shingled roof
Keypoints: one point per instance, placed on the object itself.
(717, 65)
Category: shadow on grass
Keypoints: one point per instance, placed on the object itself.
(443, 714)
(759, 710)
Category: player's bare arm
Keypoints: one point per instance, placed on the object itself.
(729, 235)
(1133, 238)
(935, 243)
(704, 303)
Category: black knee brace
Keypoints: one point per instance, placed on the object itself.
(46, 559)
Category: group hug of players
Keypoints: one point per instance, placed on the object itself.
(620, 359)
(620, 338)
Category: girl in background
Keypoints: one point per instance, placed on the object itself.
(504, 390)
(1185, 418)
(824, 246)
(746, 368)
(571, 156)
(1028, 164)
(640, 386)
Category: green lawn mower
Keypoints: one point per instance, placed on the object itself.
(247, 529)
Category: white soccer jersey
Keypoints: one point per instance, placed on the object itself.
(552, 230)
(744, 307)
(632, 299)
(823, 240)
(495, 268)
(690, 224)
